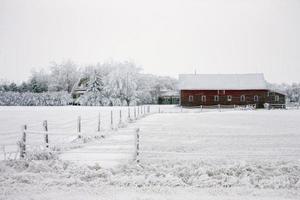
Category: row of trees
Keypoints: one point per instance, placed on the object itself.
(35, 99)
(110, 83)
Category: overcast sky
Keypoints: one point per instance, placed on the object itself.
(165, 37)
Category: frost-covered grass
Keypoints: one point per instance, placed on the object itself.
(33, 177)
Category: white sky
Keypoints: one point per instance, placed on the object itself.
(165, 37)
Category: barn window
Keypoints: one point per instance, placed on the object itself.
(276, 98)
(243, 98)
(203, 98)
(216, 98)
(229, 98)
(256, 98)
(191, 98)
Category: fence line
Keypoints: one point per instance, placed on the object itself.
(52, 128)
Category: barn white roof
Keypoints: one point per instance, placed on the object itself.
(221, 81)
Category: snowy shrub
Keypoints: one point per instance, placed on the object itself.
(35, 99)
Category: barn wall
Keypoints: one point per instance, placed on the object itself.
(263, 95)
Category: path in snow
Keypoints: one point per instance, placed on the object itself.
(116, 148)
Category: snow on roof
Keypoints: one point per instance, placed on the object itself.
(169, 93)
(221, 81)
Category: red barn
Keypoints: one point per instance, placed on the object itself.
(227, 89)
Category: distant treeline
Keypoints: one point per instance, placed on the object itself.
(110, 83)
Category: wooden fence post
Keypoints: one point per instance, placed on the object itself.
(4, 152)
(99, 123)
(137, 146)
(201, 107)
(128, 113)
(79, 126)
(23, 142)
(134, 112)
(45, 124)
(111, 120)
(120, 121)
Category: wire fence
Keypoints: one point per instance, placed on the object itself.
(64, 135)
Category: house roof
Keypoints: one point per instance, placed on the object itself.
(221, 81)
(169, 93)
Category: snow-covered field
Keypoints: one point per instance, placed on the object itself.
(192, 155)
(62, 123)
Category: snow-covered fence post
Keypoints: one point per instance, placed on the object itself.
(23, 142)
(128, 113)
(79, 126)
(111, 120)
(138, 110)
(144, 110)
(201, 107)
(158, 109)
(134, 112)
(120, 121)
(219, 107)
(148, 109)
(4, 152)
(137, 145)
(45, 125)
(99, 123)
(234, 106)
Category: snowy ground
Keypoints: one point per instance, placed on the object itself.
(190, 155)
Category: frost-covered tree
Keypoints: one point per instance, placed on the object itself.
(121, 82)
(95, 83)
(63, 76)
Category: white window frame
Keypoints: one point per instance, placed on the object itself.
(191, 98)
(277, 98)
(203, 98)
(256, 98)
(243, 98)
(216, 98)
(229, 98)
